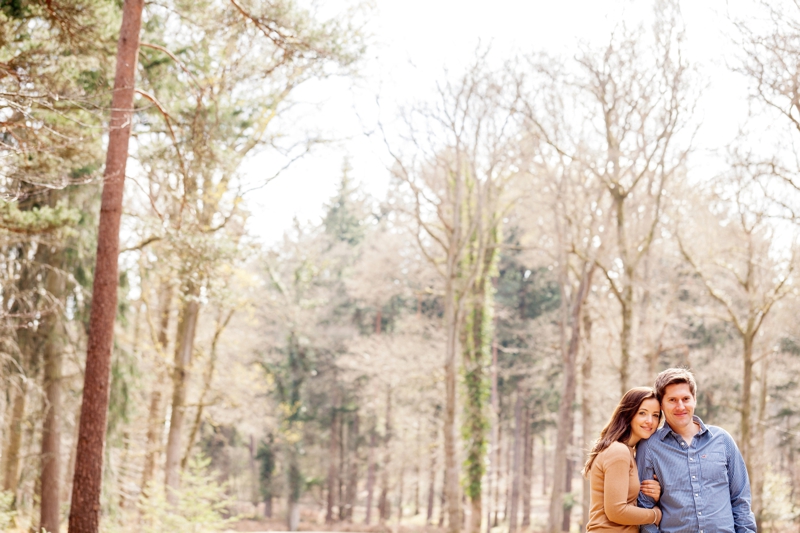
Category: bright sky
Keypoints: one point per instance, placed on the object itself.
(416, 40)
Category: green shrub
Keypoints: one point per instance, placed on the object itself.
(201, 504)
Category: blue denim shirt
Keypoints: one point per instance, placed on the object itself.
(704, 485)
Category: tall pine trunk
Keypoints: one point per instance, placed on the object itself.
(516, 471)
(432, 467)
(50, 476)
(333, 453)
(155, 418)
(352, 481)
(384, 506)
(370, 474)
(527, 470)
(184, 346)
(12, 455)
(586, 413)
(84, 514)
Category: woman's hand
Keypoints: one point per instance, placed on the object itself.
(651, 488)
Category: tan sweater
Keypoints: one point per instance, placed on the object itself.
(615, 486)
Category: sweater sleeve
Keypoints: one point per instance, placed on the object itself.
(615, 492)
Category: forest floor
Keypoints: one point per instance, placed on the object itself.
(274, 526)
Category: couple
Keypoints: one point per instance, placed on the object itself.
(693, 476)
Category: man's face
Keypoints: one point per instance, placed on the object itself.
(678, 405)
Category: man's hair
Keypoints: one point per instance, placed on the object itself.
(671, 376)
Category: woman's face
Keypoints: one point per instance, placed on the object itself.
(645, 421)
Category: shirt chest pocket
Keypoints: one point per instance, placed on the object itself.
(713, 466)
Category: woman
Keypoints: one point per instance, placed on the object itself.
(611, 468)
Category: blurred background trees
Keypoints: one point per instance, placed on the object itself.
(440, 357)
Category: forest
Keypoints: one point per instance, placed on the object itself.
(437, 359)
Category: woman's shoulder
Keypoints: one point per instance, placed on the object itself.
(615, 450)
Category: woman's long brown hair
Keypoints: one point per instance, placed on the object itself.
(618, 428)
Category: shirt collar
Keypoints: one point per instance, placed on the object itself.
(668, 429)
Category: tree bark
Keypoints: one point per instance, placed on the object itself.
(432, 474)
(370, 474)
(384, 506)
(747, 395)
(758, 475)
(586, 412)
(527, 470)
(12, 454)
(85, 509)
(352, 482)
(494, 455)
(187, 324)
(333, 453)
(400, 492)
(155, 419)
(515, 469)
(566, 415)
(50, 476)
(451, 476)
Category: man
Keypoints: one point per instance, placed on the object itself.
(705, 488)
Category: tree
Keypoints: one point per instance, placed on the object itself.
(84, 512)
(636, 98)
(457, 199)
(740, 276)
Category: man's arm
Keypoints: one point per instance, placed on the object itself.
(739, 485)
(644, 464)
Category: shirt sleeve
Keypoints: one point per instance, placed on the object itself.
(615, 492)
(739, 485)
(644, 464)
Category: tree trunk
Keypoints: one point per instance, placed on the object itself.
(565, 521)
(494, 455)
(516, 471)
(498, 457)
(184, 346)
(295, 488)
(12, 454)
(370, 474)
(545, 477)
(451, 477)
(342, 470)
(254, 497)
(442, 501)
(50, 478)
(586, 413)
(208, 378)
(155, 419)
(352, 482)
(400, 492)
(757, 476)
(333, 452)
(747, 395)
(509, 475)
(432, 475)
(566, 415)
(85, 509)
(384, 506)
(527, 470)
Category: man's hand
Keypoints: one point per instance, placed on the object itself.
(651, 488)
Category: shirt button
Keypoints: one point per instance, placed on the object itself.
(691, 459)
(694, 477)
(698, 514)
(696, 495)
